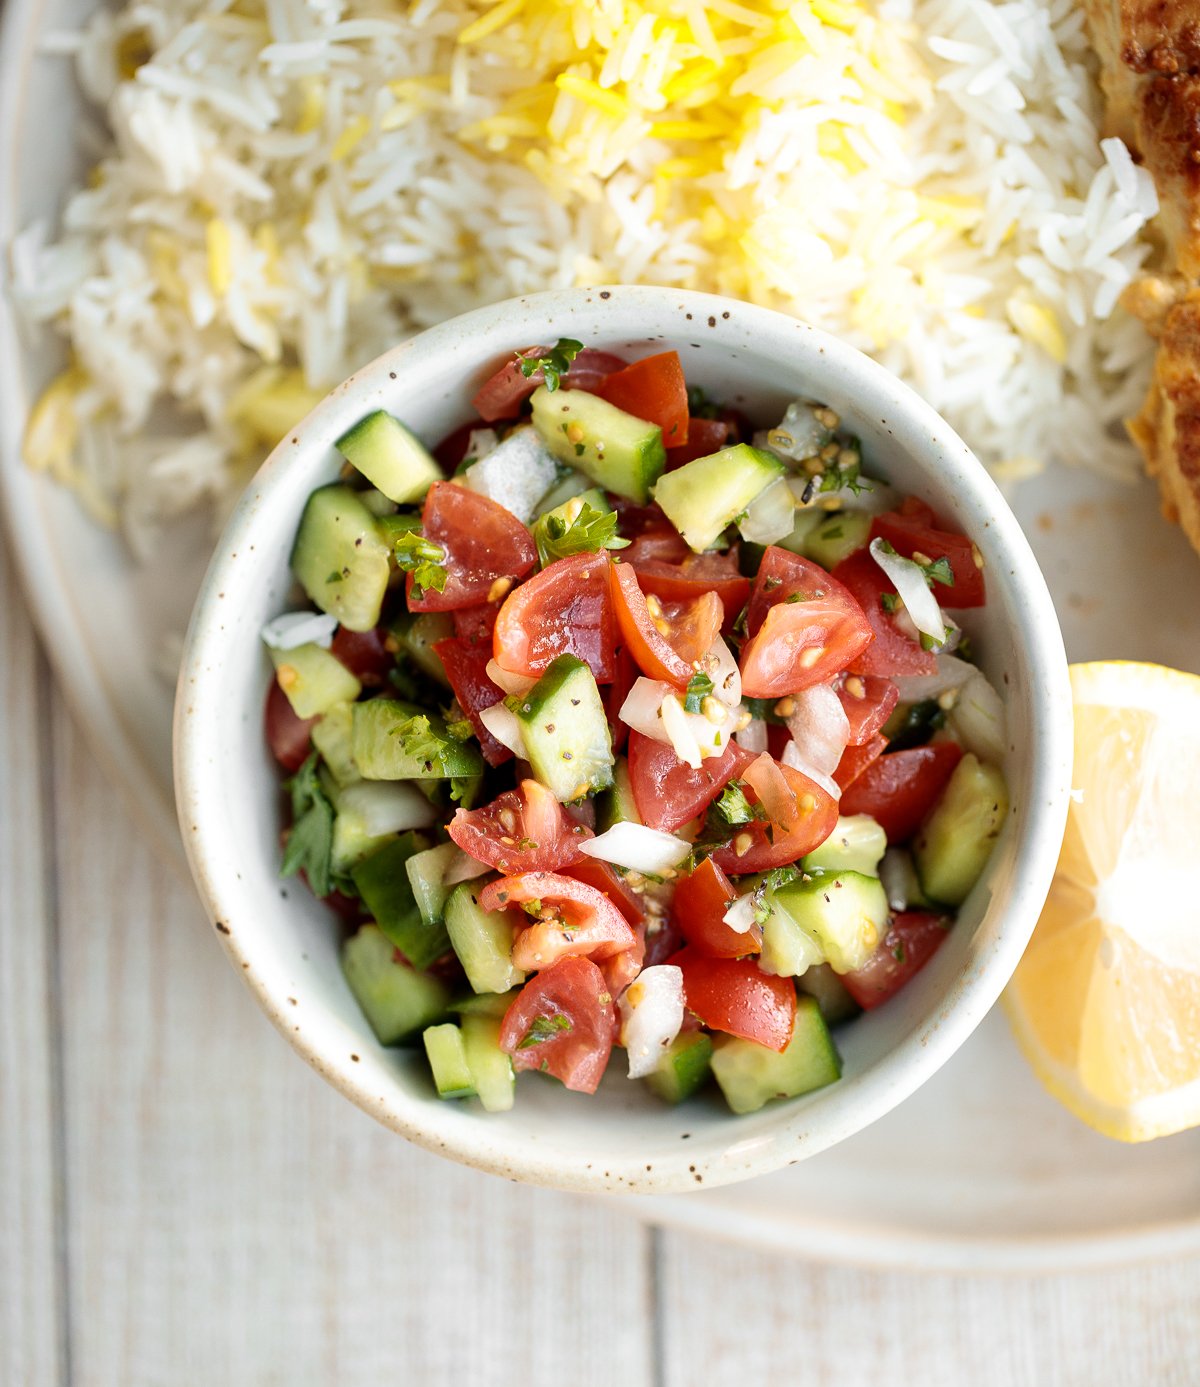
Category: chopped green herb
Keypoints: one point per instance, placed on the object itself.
(890, 602)
(834, 532)
(335, 577)
(460, 729)
(898, 952)
(939, 571)
(735, 808)
(424, 559)
(699, 687)
(464, 789)
(763, 709)
(590, 531)
(545, 1028)
(700, 406)
(310, 840)
(914, 725)
(554, 364)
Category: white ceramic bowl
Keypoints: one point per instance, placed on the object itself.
(285, 944)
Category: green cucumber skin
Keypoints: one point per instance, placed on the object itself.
(840, 534)
(340, 559)
(390, 456)
(566, 731)
(684, 1068)
(426, 872)
(382, 882)
(482, 940)
(751, 1076)
(491, 1068)
(447, 1057)
(397, 1000)
(620, 453)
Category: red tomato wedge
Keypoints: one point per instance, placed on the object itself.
(573, 919)
(911, 941)
(563, 1022)
(891, 652)
(902, 787)
(365, 655)
(732, 995)
(476, 624)
(522, 830)
(466, 668)
(592, 872)
(705, 436)
(867, 701)
(621, 969)
(625, 674)
(652, 389)
(801, 815)
(856, 759)
(289, 737)
(804, 627)
(909, 535)
(667, 639)
(567, 608)
(698, 910)
(667, 568)
(501, 395)
(667, 792)
(485, 546)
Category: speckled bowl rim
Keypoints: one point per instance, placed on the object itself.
(859, 1100)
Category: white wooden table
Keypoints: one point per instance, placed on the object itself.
(184, 1203)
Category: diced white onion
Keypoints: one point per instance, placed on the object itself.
(978, 720)
(655, 709)
(720, 666)
(638, 848)
(516, 684)
(292, 629)
(464, 868)
(680, 734)
(798, 435)
(387, 806)
(896, 873)
(516, 473)
(640, 711)
(752, 737)
(651, 1010)
(791, 757)
(770, 516)
(819, 726)
(502, 723)
(914, 591)
(740, 915)
(952, 673)
(481, 442)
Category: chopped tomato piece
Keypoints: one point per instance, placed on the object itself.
(563, 1022)
(365, 655)
(501, 395)
(476, 624)
(912, 939)
(522, 830)
(804, 627)
(453, 448)
(573, 919)
(567, 608)
(625, 674)
(592, 872)
(289, 737)
(891, 652)
(867, 701)
(902, 787)
(856, 759)
(667, 639)
(801, 815)
(667, 792)
(734, 996)
(487, 548)
(705, 436)
(662, 940)
(466, 668)
(910, 534)
(667, 568)
(621, 969)
(698, 913)
(652, 389)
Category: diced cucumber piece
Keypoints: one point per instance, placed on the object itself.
(516, 474)
(837, 1005)
(313, 679)
(954, 843)
(620, 453)
(331, 737)
(683, 1068)
(839, 534)
(572, 485)
(418, 635)
(702, 497)
(395, 999)
(482, 939)
(382, 882)
(448, 1061)
(491, 1068)
(427, 877)
(352, 842)
(390, 456)
(566, 731)
(340, 559)
(844, 913)
(493, 1004)
(856, 845)
(615, 805)
(787, 950)
(377, 503)
(806, 522)
(750, 1075)
(390, 744)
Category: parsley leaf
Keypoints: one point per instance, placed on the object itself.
(590, 531)
(310, 840)
(424, 559)
(460, 729)
(763, 709)
(939, 571)
(700, 406)
(545, 1028)
(464, 789)
(889, 601)
(554, 364)
(735, 808)
(699, 687)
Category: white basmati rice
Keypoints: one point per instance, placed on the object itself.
(295, 185)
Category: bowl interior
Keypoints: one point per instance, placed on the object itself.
(286, 943)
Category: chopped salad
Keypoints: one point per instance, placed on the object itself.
(615, 722)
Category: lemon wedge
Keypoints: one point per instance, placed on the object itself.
(1106, 1000)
